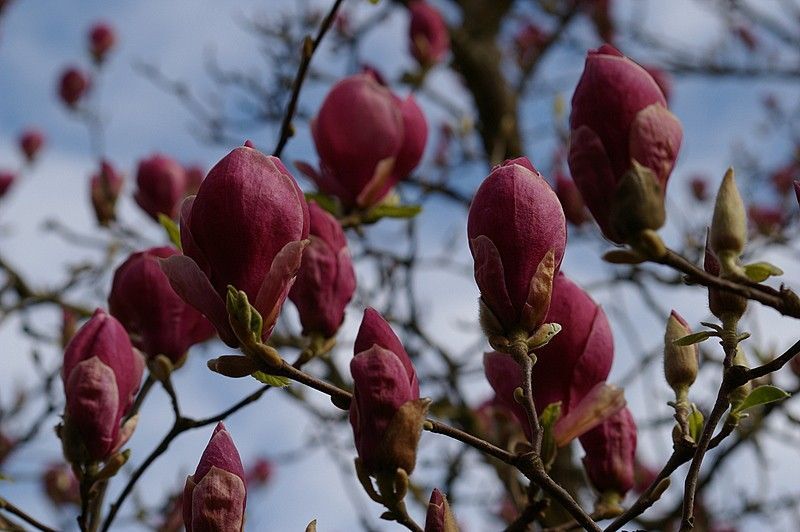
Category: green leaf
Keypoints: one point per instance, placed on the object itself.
(272, 380)
(392, 211)
(761, 271)
(760, 396)
(694, 338)
(329, 203)
(548, 419)
(695, 423)
(173, 232)
(550, 415)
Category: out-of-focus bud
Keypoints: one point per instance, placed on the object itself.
(260, 472)
(783, 177)
(161, 185)
(194, 177)
(102, 39)
(367, 139)
(662, 78)
(680, 361)
(439, 517)
(602, 401)
(517, 235)
(386, 412)
(429, 39)
(620, 118)
(31, 142)
(724, 305)
(643, 476)
(7, 445)
(766, 220)
(61, 486)
(528, 41)
(611, 453)
(101, 375)
(728, 234)
(571, 200)
(105, 187)
(214, 498)
(246, 228)
(157, 319)
(442, 153)
(326, 279)
(72, 86)
(699, 187)
(6, 180)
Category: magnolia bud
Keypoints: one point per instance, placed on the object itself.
(439, 517)
(101, 40)
(723, 304)
(729, 225)
(680, 361)
(30, 142)
(427, 32)
(6, 180)
(73, 84)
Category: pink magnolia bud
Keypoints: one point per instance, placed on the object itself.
(385, 413)
(643, 476)
(6, 180)
(367, 138)
(326, 279)
(699, 186)
(161, 185)
(247, 228)
(214, 498)
(61, 486)
(662, 79)
(73, 85)
(528, 42)
(102, 39)
(619, 115)
(260, 473)
(30, 142)
(439, 517)
(105, 187)
(101, 375)
(766, 220)
(783, 177)
(571, 200)
(611, 453)
(517, 234)
(157, 319)
(429, 39)
(194, 177)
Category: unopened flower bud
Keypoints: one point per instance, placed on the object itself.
(105, 187)
(680, 361)
(73, 85)
(427, 32)
(723, 304)
(729, 224)
(61, 486)
(439, 517)
(161, 184)
(638, 203)
(611, 453)
(30, 142)
(101, 40)
(6, 180)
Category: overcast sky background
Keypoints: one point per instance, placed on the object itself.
(38, 39)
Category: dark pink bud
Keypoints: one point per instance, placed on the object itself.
(102, 38)
(382, 387)
(429, 39)
(72, 86)
(194, 177)
(571, 200)
(326, 279)
(260, 473)
(30, 142)
(516, 228)
(528, 41)
(783, 177)
(699, 186)
(367, 138)
(439, 517)
(662, 79)
(611, 453)
(101, 375)
(214, 498)
(767, 220)
(105, 187)
(6, 180)
(619, 114)
(442, 154)
(247, 228)
(157, 319)
(161, 186)
(61, 486)
(375, 330)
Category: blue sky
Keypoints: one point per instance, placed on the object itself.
(38, 39)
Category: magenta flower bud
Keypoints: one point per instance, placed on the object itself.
(517, 234)
(73, 85)
(30, 142)
(102, 39)
(571, 200)
(247, 228)
(105, 187)
(214, 498)
(699, 187)
(375, 330)
(439, 517)
(429, 39)
(61, 486)
(157, 319)
(161, 185)
(101, 375)
(611, 453)
(6, 180)
(326, 279)
(367, 138)
(260, 472)
(194, 177)
(783, 177)
(766, 220)
(619, 115)
(662, 79)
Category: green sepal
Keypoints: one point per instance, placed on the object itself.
(761, 271)
(172, 229)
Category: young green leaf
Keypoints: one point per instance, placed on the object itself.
(760, 396)
(272, 380)
(694, 338)
(761, 271)
(695, 423)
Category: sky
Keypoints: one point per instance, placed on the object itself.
(38, 39)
